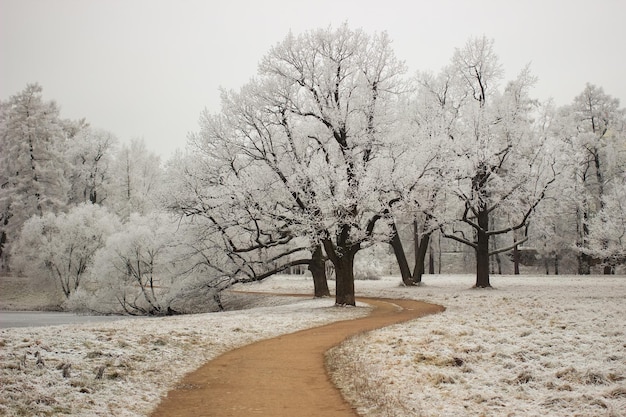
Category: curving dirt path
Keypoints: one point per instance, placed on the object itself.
(280, 377)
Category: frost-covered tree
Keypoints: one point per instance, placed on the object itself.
(594, 132)
(137, 175)
(232, 236)
(501, 165)
(62, 246)
(307, 142)
(90, 155)
(607, 230)
(429, 120)
(144, 269)
(32, 167)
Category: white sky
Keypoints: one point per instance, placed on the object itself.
(147, 68)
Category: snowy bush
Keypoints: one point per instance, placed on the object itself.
(144, 269)
(372, 263)
(63, 246)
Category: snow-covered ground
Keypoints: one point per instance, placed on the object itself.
(544, 346)
(533, 346)
(122, 368)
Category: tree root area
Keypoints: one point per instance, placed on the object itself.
(283, 376)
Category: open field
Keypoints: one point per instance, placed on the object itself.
(531, 346)
(122, 368)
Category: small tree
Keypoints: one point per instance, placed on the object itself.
(607, 230)
(134, 269)
(63, 246)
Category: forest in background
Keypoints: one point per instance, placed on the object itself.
(333, 158)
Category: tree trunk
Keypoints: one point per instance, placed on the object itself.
(431, 261)
(344, 280)
(318, 271)
(584, 262)
(482, 251)
(556, 264)
(398, 250)
(439, 254)
(516, 259)
(608, 270)
(421, 257)
(3, 239)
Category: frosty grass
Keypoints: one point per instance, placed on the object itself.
(122, 368)
(532, 346)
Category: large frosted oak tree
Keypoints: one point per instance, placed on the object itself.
(310, 137)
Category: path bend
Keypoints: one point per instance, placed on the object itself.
(283, 376)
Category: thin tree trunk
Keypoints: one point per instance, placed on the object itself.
(584, 260)
(439, 254)
(556, 264)
(499, 263)
(516, 258)
(482, 251)
(318, 271)
(431, 260)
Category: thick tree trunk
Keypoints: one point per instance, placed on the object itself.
(482, 251)
(398, 250)
(318, 271)
(420, 259)
(344, 279)
(584, 262)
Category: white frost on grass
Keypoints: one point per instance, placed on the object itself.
(123, 368)
(532, 346)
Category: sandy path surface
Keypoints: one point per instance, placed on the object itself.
(284, 376)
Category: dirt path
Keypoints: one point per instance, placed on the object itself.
(279, 377)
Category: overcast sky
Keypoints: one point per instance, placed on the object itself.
(147, 68)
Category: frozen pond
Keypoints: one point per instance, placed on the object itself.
(10, 319)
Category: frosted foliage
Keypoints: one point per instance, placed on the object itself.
(135, 181)
(135, 270)
(90, 153)
(62, 247)
(32, 168)
(302, 147)
(608, 228)
(493, 156)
